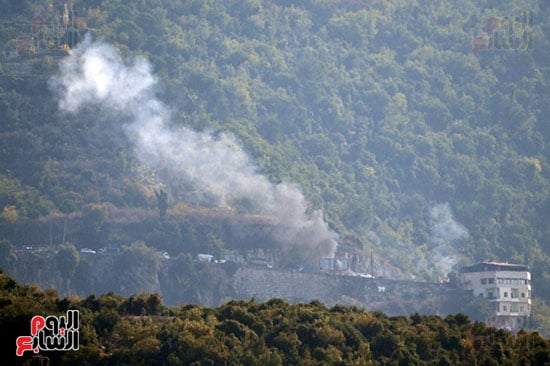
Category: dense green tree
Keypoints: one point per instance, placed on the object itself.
(67, 259)
(7, 255)
(272, 333)
(379, 112)
(137, 269)
(162, 202)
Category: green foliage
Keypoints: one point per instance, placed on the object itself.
(377, 110)
(162, 202)
(138, 265)
(7, 255)
(67, 259)
(272, 333)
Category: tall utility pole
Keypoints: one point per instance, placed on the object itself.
(371, 265)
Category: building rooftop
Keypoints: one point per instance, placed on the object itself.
(495, 266)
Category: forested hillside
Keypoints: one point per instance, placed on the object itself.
(409, 144)
(139, 330)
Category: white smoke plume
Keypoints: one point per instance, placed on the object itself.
(96, 74)
(444, 232)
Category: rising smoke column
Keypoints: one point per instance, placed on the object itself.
(444, 232)
(96, 74)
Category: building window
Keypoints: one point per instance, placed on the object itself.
(504, 308)
(491, 281)
(523, 294)
(483, 281)
(521, 309)
(489, 294)
(505, 294)
(514, 308)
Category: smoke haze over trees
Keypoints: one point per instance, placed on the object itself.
(372, 120)
(217, 167)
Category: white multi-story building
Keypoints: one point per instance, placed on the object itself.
(507, 286)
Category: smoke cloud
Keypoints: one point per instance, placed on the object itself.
(95, 74)
(444, 232)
